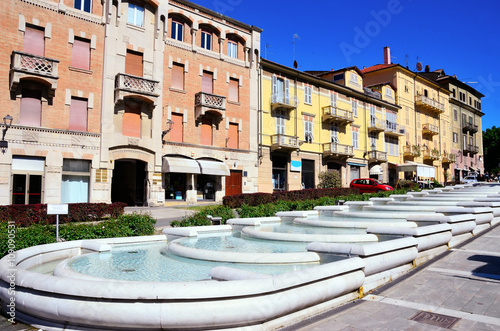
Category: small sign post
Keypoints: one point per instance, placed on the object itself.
(57, 209)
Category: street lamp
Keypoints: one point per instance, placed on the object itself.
(170, 125)
(7, 122)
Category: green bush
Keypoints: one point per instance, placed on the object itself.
(329, 179)
(200, 218)
(38, 234)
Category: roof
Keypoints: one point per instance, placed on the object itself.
(384, 83)
(377, 67)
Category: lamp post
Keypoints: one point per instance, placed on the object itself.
(7, 122)
(170, 125)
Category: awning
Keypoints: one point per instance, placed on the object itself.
(473, 169)
(213, 168)
(422, 170)
(376, 170)
(356, 164)
(180, 165)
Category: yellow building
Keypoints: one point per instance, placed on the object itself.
(321, 121)
(425, 116)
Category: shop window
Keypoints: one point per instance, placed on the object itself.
(308, 174)
(75, 181)
(279, 173)
(27, 179)
(78, 114)
(175, 186)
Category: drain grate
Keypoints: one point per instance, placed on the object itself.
(442, 321)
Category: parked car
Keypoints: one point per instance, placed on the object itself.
(369, 185)
(469, 179)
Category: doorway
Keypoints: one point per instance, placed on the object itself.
(26, 189)
(233, 183)
(129, 182)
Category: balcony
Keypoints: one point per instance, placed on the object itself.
(212, 103)
(394, 129)
(377, 156)
(283, 102)
(448, 158)
(337, 115)
(126, 85)
(284, 142)
(338, 150)
(376, 124)
(411, 151)
(25, 65)
(472, 128)
(429, 104)
(432, 155)
(471, 149)
(430, 129)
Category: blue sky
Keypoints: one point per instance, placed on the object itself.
(454, 35)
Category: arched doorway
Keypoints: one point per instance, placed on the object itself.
(129, 182)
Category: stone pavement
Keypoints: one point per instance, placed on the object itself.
(163, 215)
(459, 290)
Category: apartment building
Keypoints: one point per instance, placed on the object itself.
(425, 116)
(51, 73)
(319, 121)
(466, 124)
(135, 101)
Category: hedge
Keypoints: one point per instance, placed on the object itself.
(256, 199)
(25, 215)
(38, 234)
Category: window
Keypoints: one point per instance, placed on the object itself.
(207, 82)
(455, 137)
(333, 100)
(75, 181)
(206, 40)
(354, 105)
(407, 115)
(232, 49)
(308, 129)
(338, 77)
(27, 179)
(373, 141)
(78, 114)
(234, 94)
(308, 95)
(135, 14)
(280, 122)
(392, 146)
(177, 31)
(281, 88)
(279, 172)
(388, 92)
(176, 133)
(31, 107)
(426, 94)
(233, 136)
(355, 138)
(131, 126)
(177, 76)
(133, 63)
(334, 133)
(354, 78)
(391, 120)
(85, 5)
(80, 57)
(465, 142)
(453, 92)
(455, 115)
(307, 174)
(34, 41)
(206, 131)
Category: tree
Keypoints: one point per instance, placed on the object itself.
(491, 146)
(329, 179)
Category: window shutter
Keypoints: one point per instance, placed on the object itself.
(132, 120)
(178, 76)
(233, 90)
(133, 63)
(275, 86)
(34, 41)
(206, 132)
(177, 128)
(78, 115)
(233, 136)
(207, 82)
(287, 91)
(333, 100)
(31, 108)
(80, 57)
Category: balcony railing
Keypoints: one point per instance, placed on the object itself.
(140, 85)
(334, 114)
(376, 124)
(429, 104)
(377, 156)
(207, 102)
(467, 126)
(284, 142)
(433, 154)
(411, 151)
(430, 129)
(285, 102)
(23, 64)
(473, 149)
(336, 149)
(449, 158)
(394, 129)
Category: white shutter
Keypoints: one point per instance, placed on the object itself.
(275, 87)
(333, 100)
(287, 91)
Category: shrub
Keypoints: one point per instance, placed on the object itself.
(329, 179)
(406, 184)
(200, 218)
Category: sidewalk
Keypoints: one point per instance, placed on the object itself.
(459, 290)
(163, 215)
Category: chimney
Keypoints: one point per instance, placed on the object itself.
(387, 55)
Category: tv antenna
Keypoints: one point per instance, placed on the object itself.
(266, 46)
(295, 36)
(419, 65)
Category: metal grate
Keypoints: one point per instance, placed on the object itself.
(440, 320)
(36, 64)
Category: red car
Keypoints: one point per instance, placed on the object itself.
(369, 185)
